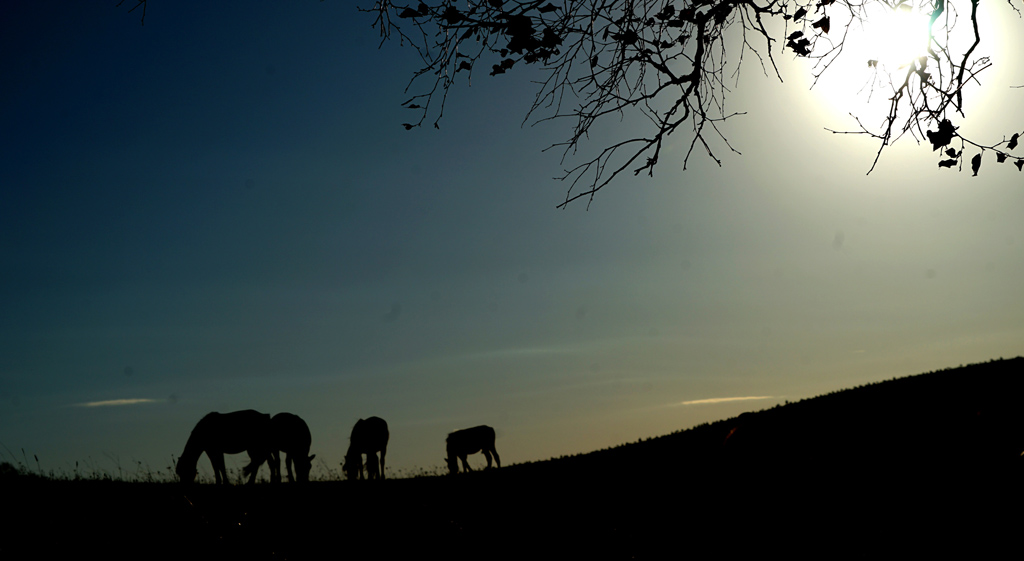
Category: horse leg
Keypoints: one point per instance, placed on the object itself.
(375, 465)
(383, 452)
(465, 464)
(256, 460)
(220, 473)
(274, 463)
(288, 463)
(497, 458)
(487, 454)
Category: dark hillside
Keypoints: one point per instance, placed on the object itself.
(965, 418)
(918, 465)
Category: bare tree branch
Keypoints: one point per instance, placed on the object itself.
(666, 62)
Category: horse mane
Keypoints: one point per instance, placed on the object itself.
(196, 443)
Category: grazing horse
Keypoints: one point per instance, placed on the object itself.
(462, 443)
(368, 437)
(226, 433)
(289, 434)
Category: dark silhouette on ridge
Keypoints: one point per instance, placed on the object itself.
(462, 443)
(915, 466)
(368, 436)
(226, 433)
(290, 434)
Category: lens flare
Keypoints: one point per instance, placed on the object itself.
(897, 37)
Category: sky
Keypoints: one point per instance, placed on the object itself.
(220, 210)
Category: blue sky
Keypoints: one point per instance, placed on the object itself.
(220, 210)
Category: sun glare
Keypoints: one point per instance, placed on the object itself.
(879, 44)
(896, 37)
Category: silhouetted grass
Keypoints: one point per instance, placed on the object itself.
(907, 467)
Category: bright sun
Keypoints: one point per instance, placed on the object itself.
(875, 49)
(896, 37)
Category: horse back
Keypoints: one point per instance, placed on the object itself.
(471, 440)
(370, 435)
(233, 433)
(290, 434)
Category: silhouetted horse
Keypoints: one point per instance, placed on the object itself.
(462, 443)
(368, 437)
(226, 433)
(290, 434)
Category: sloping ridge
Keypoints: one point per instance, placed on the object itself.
(928, 464)
(970, 417)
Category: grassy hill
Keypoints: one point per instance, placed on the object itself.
(923, 464)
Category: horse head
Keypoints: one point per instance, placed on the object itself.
(186, 473)
(302, 467)
(353, 466)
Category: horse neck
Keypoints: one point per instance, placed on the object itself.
(193, 449)
(353, 450)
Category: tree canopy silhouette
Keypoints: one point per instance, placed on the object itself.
(670, 63)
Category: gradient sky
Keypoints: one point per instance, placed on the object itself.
(220, 210)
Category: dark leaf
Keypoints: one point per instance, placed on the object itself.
(943, 136)
(801, 47)
(547, 8)
(1019, 164)
(721, 13)
(976, 163)
(1000, 157)
(452, 16)
(822, 24)
(423, 8)
(497, 69)
(795, 35)
(1013, 142)
(947, 163)
(496, 3)
(413, 106)
(409, 13)
(593, 61)
(825, 3)
(550, 39)
(627, 38)
(952, 153)
(407, 126)
(464, 65)
(873, 63)
(799, 14)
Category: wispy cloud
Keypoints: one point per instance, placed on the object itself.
(114, 402)
(519, 352)
(726, 399)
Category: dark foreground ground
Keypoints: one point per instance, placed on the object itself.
(911, 467)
